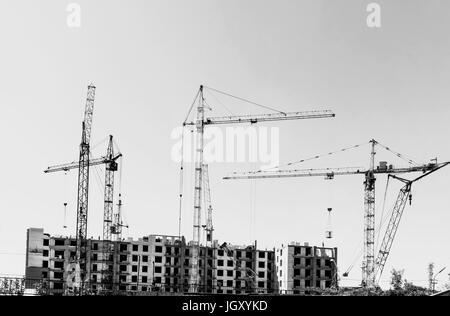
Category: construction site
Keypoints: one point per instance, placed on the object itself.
(205, 150)
(174, 265)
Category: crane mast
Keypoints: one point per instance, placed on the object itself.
(368, 266)
(195, 249)
(200, 123)
(108, 251)
(83, 190)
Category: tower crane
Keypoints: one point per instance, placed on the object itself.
(201, 122)
(83, 191)
(369, 263)
(111, 166)
(108, 212)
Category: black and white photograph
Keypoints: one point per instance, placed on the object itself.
(225, 156)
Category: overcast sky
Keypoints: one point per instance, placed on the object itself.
(148, 58)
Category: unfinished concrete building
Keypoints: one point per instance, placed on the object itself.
(149, 264)
(303, 267)
(160, 264)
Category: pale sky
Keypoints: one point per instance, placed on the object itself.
(147, 59)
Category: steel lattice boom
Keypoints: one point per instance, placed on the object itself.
(253, 119)
(327, 173)
(391, 230)
(75, 165)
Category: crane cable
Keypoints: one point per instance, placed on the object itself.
(65, 200)
(181, 177)
(117, 146)
(120, 197)
(181, 183)
(98, 177)
(65, 215)
(329, 225)
(403, 157)
(120, 167)
(120, 184)
(313, 157)
(350, 268)
(221, 104)
(382, 212)
(245, 100)
(252, 208)
(203, 208)
(191, 107)
(99, 143)
(383, 220)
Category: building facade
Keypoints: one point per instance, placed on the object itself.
(157, 264)
(303, 267)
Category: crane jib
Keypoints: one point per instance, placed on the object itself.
(329, 173)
